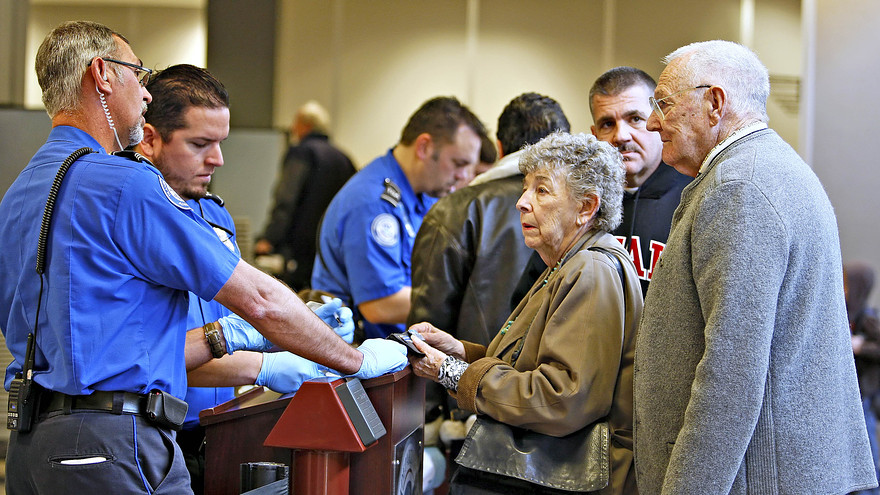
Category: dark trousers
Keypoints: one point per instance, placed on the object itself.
(192, 444)
(95, 452)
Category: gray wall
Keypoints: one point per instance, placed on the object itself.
(21, 133)
(843, 120)
(251, 162)
(241, 53)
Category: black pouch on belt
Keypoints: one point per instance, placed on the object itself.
(166, 410)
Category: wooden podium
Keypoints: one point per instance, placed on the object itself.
(311, 432)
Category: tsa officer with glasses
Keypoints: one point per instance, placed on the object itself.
(744, 378)
(98, 332)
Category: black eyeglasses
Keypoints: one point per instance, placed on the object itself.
(141, 73)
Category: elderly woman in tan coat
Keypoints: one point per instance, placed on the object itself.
(564, 359)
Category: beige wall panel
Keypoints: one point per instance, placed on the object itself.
(160, 36)
(394, 57)
(305, 63)
(778, 42)
(645, 31)
(778, 35)
(549, 48)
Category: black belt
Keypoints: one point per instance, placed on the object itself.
(113, 402)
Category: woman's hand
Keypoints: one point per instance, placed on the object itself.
(428, 366)
(439, 340)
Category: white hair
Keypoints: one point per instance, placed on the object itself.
(731, 66)
(314, 115)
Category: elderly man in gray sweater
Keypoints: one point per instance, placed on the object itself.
(744, 375)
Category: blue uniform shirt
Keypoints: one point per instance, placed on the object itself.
(201, 311)
(123, 251)
(366, 242)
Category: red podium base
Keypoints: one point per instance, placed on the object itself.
(312, 433)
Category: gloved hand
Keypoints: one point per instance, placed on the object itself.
(284, 372)
(242, 336)
(381, 356)
(330, 311)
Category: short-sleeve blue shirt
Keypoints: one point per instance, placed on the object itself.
(365, 242)
(123, 251)
(202, 311)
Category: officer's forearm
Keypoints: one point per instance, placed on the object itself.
(274, 310)
(391, 309)
(239, 368)
(197, 350)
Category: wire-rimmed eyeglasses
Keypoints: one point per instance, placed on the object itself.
(659, 105)
(142, 74)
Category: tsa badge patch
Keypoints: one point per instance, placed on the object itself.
(172, 196)
(385, 230)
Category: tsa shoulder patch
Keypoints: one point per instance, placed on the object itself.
(385, 230)
(172, 196)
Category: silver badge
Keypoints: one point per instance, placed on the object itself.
(385, 230)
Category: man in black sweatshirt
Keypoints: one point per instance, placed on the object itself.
(620, 107)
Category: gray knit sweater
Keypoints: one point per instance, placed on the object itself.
(744, 376)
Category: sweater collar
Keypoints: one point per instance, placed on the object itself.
(724, 144)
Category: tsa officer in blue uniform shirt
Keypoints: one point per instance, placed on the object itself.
(186, 123)
(367, 235)
(108, 312)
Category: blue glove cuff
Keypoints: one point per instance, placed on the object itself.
(242, 336)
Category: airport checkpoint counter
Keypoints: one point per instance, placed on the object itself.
(325, 433)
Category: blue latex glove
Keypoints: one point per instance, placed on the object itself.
(285, 372)
(381, 356)
(242, 336)
(340, 319)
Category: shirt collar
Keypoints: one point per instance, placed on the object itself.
(738, 134)
(420, 203)
(70, 133)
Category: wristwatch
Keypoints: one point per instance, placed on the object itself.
(213, 331)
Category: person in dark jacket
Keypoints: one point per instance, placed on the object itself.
(620, 107)
(469, 250)
(312, 173)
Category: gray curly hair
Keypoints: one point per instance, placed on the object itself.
(63, 57)
(590, 167)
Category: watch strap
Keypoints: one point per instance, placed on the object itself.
(213, 331)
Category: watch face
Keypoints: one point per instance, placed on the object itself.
(408, 464)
